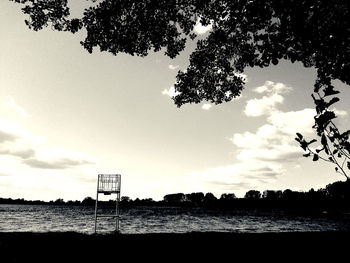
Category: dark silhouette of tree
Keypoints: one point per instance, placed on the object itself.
(88, 201)
(195, 198)
(228, 197)
(272, 195)
(334, 198)
(125, 199)
(174, 198)
(288, 195)
(59, 201)
(338, 191)
(209, 200)
(252, 195)
(244, 34)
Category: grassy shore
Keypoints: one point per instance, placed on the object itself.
(167, 247)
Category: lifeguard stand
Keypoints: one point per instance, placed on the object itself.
(108, 184)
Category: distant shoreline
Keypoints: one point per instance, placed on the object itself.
(165, 247)
(334, 197)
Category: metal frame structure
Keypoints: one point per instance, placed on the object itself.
(108, 184)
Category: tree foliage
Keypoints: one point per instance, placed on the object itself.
(252, 195)
(334, 145)
(244, 34)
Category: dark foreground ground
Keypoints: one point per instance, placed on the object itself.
(189, 247)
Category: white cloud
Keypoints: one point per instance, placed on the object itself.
(288, 122)
(267, 104)
(206, 106)
(173, 67)
(340, 113)
(263, 106)
(270, 86)
(274, 141)
(264, 154)
(170, 92)
(21, 110)
(200, 29)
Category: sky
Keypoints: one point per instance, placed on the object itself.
(67, 116)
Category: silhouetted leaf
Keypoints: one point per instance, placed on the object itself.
(330, 91)
(321, 105)
(319, 150)
(303, 144)
(324, 140)
(345, 135)
(274, 61)
(312, 141)
(322, 121)
(348, 165)
(332, 101)
(315, 158)
(307, 154)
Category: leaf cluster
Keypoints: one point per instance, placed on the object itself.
(334, 146)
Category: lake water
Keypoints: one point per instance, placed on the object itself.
(45, 218)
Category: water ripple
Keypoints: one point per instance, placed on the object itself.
(44, 218)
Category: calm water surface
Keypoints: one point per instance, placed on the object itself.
(44, 218)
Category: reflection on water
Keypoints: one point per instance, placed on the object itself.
(44, 218)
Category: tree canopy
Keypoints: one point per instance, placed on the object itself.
(244, 33)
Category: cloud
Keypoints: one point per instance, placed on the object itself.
(273, 141)
(206, 106)
(262, 155)
(57, 158)
(173, 67)
(340, 113)
(200, 29)
(272, 87)
(264, 106)
(32, 151)
(21, 153)
(288, 122)
(60, 163)
(10, 131)
(6, 136)
(21, 110)
(170, 92)
(267, 104)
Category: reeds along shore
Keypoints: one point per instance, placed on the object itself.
(196, 246)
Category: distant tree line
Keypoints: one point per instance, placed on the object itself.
(334, 196)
